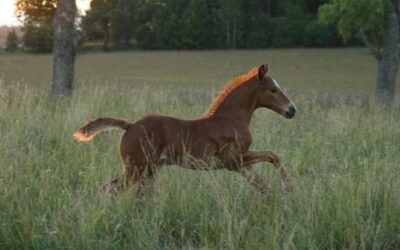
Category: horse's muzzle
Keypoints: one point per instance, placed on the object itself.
(290, 112)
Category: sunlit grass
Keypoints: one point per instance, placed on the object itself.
(342, 153)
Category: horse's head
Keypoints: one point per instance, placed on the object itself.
(270, 95)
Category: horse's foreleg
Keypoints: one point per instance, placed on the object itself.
(256, 180)
(253, 157)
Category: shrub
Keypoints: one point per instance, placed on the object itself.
(39, 38)
(12, 41)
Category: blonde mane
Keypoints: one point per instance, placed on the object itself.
(229, 88)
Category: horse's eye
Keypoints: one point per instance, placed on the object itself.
(273, 90)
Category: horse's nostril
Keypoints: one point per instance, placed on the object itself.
(292, 109)
(291, 112)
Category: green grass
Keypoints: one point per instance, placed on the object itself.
(341, 150)
(338, 70)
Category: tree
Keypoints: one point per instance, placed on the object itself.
(12, 41)
(204, 24)
(110, 20)
(230, 15)
(160, 24)
(36, 17)
(96, 24)
(376, 22)
(171, 28)
(198, 25)
(120, 24)
(64, 48)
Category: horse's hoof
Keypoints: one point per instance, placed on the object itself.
(267, 192)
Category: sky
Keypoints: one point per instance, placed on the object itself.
(7, 16)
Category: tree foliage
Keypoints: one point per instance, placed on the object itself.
(356, 18)
(205, 24)
(37, 17)
(230, 21)
(186, 24)
(110, 21)
(199, 25)
(377, 23)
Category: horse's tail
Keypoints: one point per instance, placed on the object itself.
(87, 132)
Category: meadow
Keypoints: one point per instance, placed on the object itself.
(341, 149)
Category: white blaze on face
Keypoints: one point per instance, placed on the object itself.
(276, 84)
(290, 104)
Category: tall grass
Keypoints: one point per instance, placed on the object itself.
(343, 154)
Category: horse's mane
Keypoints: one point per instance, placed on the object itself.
(229, 88)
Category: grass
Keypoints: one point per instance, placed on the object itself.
(331, 70)
(341, 150)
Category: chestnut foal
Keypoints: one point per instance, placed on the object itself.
(219, 139)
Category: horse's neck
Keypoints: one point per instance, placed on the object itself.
(239, 105)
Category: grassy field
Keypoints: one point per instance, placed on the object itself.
(331, 70)
(342, 150)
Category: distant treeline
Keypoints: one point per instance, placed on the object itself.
(185, 24)
(207, 24)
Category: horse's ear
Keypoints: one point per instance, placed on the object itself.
(262, 71)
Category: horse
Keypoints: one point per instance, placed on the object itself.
(219, 139)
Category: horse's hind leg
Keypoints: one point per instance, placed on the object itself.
(141, 171)
(140, 152)
(147, 179)
(131, 176)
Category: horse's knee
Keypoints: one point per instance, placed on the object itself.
(272, 158)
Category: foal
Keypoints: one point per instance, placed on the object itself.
(219, 139)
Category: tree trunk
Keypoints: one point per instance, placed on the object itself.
(234, 35)
(64, 48)
(106, 33)
(228, 32)
(389, 59)
(127, 27)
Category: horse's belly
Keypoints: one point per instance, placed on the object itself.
(198, 156)
(203, 154)
(191, 162)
